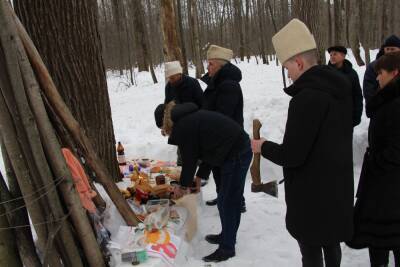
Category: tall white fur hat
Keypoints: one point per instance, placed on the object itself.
(218, 52)
(293, 39)
(172, 68)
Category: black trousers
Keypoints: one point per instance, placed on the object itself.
(380, 257)
(312, 255)
(217, 178)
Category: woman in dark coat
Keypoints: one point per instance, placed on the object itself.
(377, 210)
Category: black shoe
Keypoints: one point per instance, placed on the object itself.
(243, 208)
(213, 239)
(212, 202)
(219, 255)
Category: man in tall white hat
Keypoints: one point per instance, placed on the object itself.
(181, 89)
(316, 151)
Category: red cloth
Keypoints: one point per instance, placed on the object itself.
(81, 180)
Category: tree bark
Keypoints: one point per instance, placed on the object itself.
(34, 149)
(181, 36)
(53, 151)
(308, 12)
(139, 22)
(77, 68)
(171, 48)
(195, 38)
(49, 89)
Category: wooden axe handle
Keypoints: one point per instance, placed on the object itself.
(255, 166)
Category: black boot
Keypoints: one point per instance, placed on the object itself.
(219, 255)
(212, 202)
(213, 239)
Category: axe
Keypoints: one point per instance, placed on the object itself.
(270, 188)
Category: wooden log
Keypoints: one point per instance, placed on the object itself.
(53, 151)
(23, 175)
(54, 98)
(64, 238)
(9, 255)
(25, 243)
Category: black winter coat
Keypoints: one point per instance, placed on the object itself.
(187, 90)
(351, 74)
(224, 94)
(377, 210)
(370, 84)
(316, 155)
(204, 135)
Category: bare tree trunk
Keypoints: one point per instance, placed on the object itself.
(338, 23)
(74, 128)
(77, 68)
(181, 37)
(139, 21)
(172, 51)
(354, 34)
(118, 25)
(307, 11)
(195, 38)
(239, 25)
(260, 8)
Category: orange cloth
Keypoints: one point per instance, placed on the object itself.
(81, 180)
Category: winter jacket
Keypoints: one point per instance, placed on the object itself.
(377, 210)
(204, 135)
(224, 94)
(370, 84)
(186, 90)
(316, 155)
(351, 74)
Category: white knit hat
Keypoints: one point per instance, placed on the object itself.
(218, 52)
(172, 68)
(293, 39)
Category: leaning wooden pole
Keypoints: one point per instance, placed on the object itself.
(56, 101)
(25, 243)
(53, 151)
(16, 96)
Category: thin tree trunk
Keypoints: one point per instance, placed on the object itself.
(181, 36)
(195, 38)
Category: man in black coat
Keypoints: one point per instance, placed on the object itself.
(370, 84)
(338, 61)
(316, 152)
(181, 89)
(216, 140)
(223, 94)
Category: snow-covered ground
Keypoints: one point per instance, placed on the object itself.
(262, 237)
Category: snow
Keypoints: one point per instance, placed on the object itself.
(262, 236)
